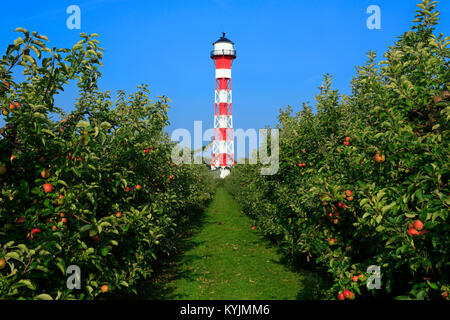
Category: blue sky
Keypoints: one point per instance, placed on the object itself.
(283, 47)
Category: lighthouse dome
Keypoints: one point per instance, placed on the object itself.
(223, 39)
(223, 47)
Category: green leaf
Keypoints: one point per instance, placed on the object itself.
(41, 268)
(20, 29)
(105, 125)
(44, 296)
(63, 183)
(387, 208)
(85, 228)
(42, 37)
(13, 255)
(379, 218)
(83, 124)
(105, 251)
(48, 132)
(61, 265)
(402, 298)
(18, 41)
(433, 285)
(421, 295)
(27, 283)
(29, 59)
(410, 215)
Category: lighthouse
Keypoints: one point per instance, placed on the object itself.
(223, 143)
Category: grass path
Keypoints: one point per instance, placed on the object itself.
(226, 259)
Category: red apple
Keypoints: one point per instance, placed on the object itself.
(418, 225)
(340, 296)
(14, 105)
(347, 138)
(20, 220)
(348, 192)
(118, 214)
(48, 187)
(413, 232)
(45, 174)
(138, 187)
(379, 158)
(2, 263)
(35, 230)
(347, 293)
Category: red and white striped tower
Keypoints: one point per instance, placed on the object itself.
(223, 144)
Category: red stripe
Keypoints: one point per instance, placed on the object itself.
(223, 62)
(223, 109)
(223, 159)
(224, 84)
(222, 134)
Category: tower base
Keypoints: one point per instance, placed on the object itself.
(224, 172)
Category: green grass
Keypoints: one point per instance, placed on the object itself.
(225, 259)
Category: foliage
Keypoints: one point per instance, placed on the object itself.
(96, 189)
(388, 145)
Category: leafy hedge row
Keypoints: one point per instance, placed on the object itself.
(94, 188)
(364, 180)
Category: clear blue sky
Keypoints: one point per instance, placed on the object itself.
(283, 47)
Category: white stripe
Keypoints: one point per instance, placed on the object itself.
(222, 147)
(222, 96)
(223, 73)
(222, 122)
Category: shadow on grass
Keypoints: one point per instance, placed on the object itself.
(169, 268)
(313, 281)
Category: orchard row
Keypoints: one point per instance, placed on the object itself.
(94, 188)
(364, 180)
